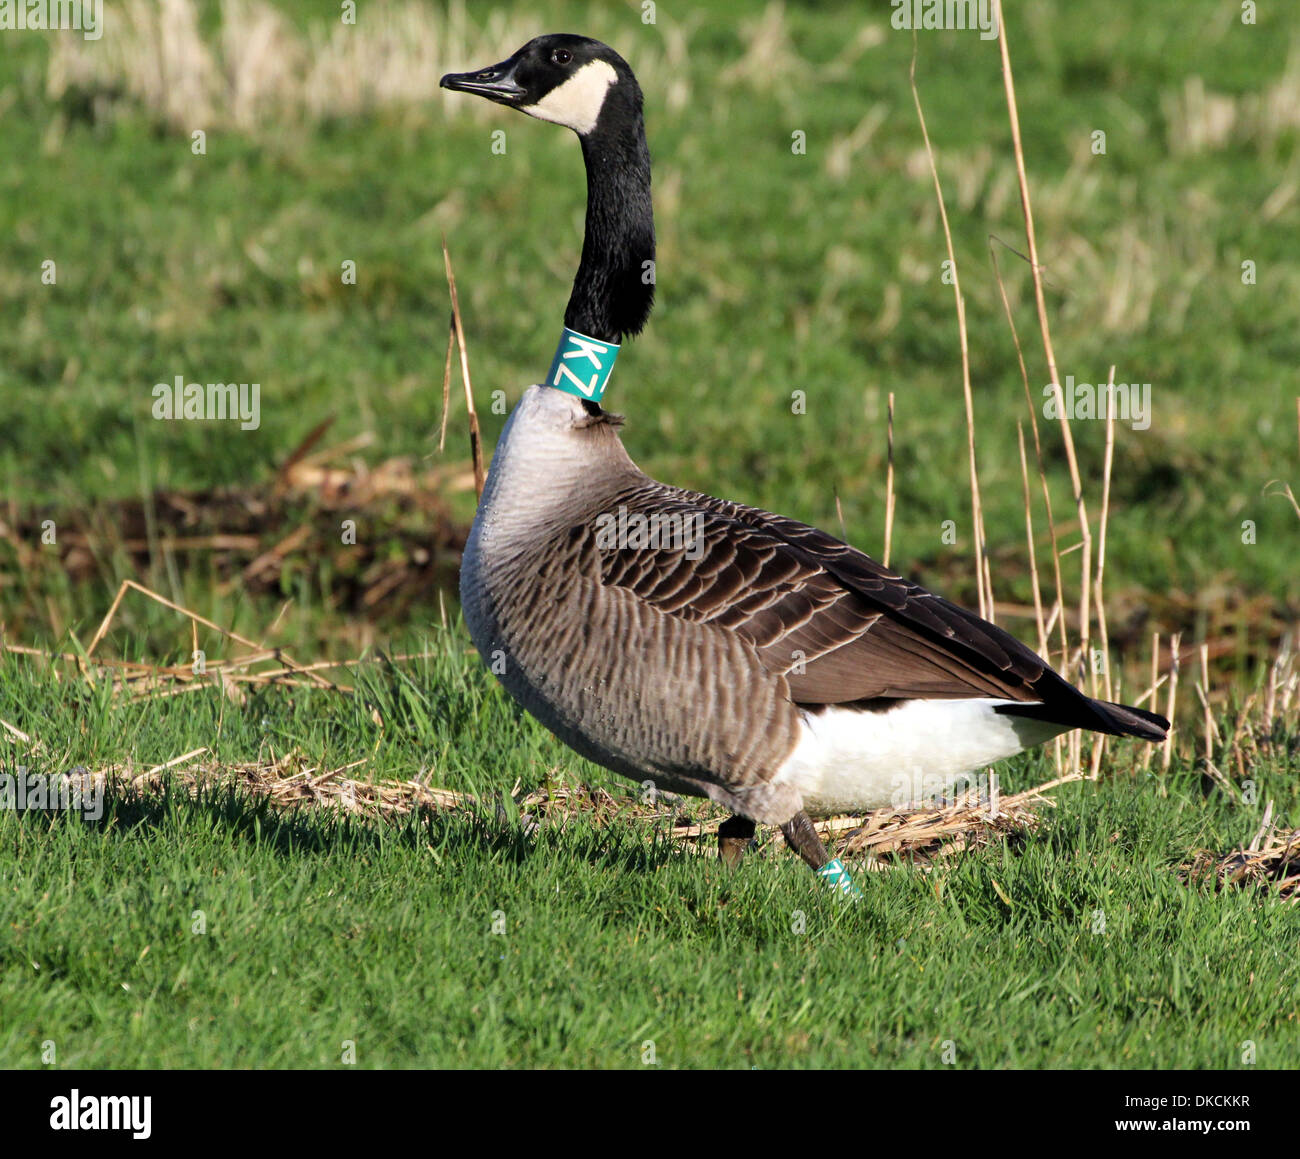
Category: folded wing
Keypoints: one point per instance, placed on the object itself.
(835, 624)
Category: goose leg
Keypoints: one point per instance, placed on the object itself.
(802, 838)
(734, 836)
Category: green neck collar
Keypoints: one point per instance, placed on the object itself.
(582, 365)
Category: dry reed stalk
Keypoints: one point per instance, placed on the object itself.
(446, 384)
(1283, 681)
(977, 513)
(1270, 691)
(475, 439)
(889, 485)
(17, 732)
(194, 617)
(839, 515)
(1040, 299)
(1103, 633)
(1285, 492)
(1241, 731)
(1202, 692)
(1038, 459)
(1155, 684)
(1054, 616)
(180, 760)
(1168, 751)
(108, 619)
(1039, 621)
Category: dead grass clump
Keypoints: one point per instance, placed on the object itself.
(924, 836)
(255, 67)
(287, 781)
(292, 781)
(1200, 121)
(1270, 861)
(257, 537)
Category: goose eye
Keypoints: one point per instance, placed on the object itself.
(561, 56)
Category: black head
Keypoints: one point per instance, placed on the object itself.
(588, 87)
(569, 80)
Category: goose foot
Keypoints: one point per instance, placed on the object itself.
(734, 836)
(802, 838)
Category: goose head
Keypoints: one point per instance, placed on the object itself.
(586, 86)
(568, 80)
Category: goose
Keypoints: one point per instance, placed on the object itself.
(698, 645)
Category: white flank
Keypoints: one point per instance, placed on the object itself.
(576, 103)
(849, 761)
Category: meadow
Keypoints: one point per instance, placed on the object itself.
(549, 916)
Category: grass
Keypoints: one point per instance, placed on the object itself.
(322, 928)
(1079, 946)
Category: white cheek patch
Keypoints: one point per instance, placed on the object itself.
(576, 103)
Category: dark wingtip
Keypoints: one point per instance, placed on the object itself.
(1137, 721)
(1096, 715)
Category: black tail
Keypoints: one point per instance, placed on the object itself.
(1135, 721)
(1115, 719)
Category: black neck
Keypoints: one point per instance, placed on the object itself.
(614, 288)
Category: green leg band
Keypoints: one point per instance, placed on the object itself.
(837, 877)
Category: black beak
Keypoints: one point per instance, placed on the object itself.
(496, 83)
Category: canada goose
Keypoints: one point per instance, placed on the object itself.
(743, 656)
